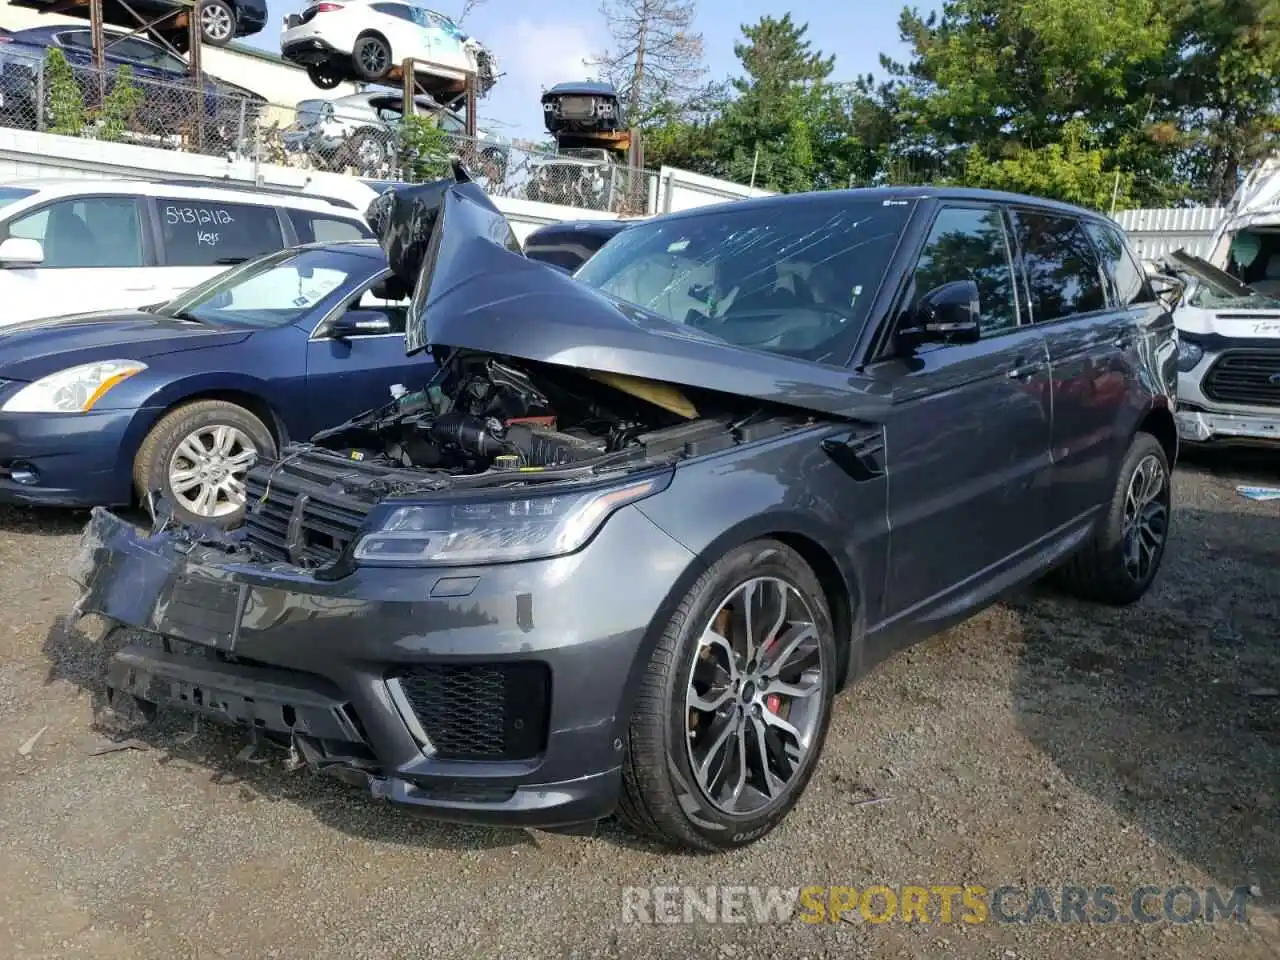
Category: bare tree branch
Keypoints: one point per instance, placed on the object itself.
(467, 7)
(655, 55)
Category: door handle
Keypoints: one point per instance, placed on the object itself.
(1025, 370)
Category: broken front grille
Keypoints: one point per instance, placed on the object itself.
(481, 711)
(577, 107)
(293, 519)
(1245, 376)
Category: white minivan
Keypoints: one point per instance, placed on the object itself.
(73, 245)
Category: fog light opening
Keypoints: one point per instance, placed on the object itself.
(25, 473)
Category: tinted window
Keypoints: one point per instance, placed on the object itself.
(76, 38)
(313, 227)
(970, 244)
(795, 278)
(1127, 277)
(1063, 272)
(90, 232)
(277, 290)
(205, 233)
(395, 10)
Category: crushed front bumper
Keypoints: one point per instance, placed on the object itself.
(1204, 426)
(484, 695)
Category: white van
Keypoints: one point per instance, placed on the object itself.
(72, 245)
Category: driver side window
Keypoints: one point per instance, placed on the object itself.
(969, 243)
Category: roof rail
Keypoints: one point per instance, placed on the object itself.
(247, 188)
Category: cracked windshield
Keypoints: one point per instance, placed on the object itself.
(801, 287)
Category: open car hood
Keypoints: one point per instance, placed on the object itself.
(1219, 280)
(474, 289)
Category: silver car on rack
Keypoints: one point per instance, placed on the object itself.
(361, 131)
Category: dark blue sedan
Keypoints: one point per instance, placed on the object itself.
(100, 408)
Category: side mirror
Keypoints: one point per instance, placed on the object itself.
(1168, 289)
(20, 252)
(946, 314)
(360, 323)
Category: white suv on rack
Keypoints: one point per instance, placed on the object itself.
(71, 245)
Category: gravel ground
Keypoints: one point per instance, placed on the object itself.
(1044, 742)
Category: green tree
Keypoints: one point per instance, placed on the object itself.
(120, 105)
(1224, 82)
(423, 149)
(774, 129)
(992, 88)
(66, 100)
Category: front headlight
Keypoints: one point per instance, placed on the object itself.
(74, 390)
(498, 531)
(1189, 354)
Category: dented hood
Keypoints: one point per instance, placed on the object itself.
(474, 289)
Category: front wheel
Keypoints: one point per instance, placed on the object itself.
(323, 75)
(734, 705)
(1120, 562)
(197, 457)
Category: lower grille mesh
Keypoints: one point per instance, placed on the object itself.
(482, 711)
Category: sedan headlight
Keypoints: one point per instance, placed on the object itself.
(498, 531)
(74, 390)
(1189, 354)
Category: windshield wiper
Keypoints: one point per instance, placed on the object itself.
(184, 315)
(229, 261)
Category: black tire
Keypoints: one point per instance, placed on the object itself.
(371, 57)
(323, 75)
(151, 465)
(217, 26)
(1099, 572)
(661, 798)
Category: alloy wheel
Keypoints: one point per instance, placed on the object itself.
(1146, 518)
(206, 472)
(753, 703)
(373, 57)
(215, 21)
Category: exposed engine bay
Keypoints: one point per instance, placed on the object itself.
(484, 420)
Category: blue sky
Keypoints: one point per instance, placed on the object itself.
(539, 44)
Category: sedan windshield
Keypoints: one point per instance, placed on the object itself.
(791, 280)
(277, 289)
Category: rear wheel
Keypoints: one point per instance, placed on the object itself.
(197, 457)
(734, 706)
(371, 57)
(1120, 562)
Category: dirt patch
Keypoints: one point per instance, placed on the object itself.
(1045, 742)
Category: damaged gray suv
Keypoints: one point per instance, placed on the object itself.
(620, 548)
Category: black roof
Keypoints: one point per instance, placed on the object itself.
(908, 194)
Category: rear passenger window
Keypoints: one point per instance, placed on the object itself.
(317, 228)
(968, 243)
(204, 233)
(1127, 278)
(1063, 272)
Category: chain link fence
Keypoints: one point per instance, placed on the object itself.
(362, 135)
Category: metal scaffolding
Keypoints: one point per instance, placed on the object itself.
(168, 29)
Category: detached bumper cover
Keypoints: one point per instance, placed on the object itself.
(485, 694)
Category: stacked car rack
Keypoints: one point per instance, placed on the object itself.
(174, 24)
